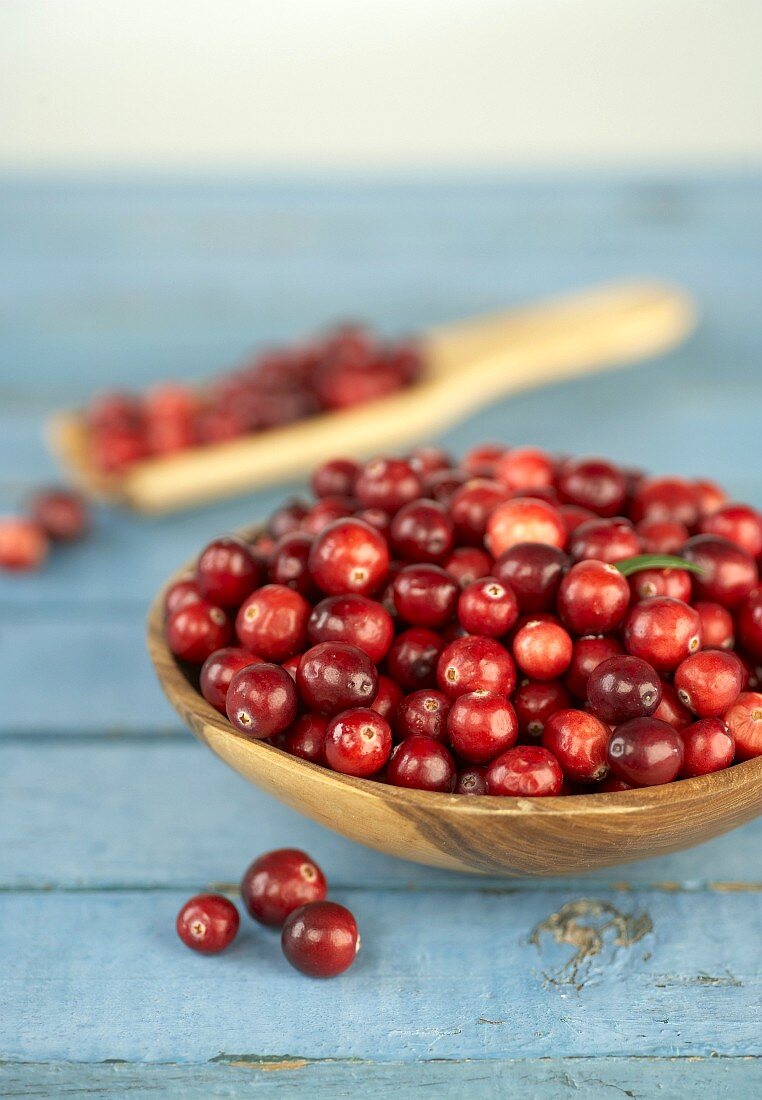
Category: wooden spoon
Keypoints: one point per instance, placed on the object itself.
(466, 365)
(486, 835)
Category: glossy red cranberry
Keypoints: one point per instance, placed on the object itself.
(467, 564)
(261, 700)
(427, 460)
(376, 518)
(61, 513)
(534, 571)
(273, 622)
(306, 738)
(23, 545)
(708, 747)
(728, 574)
(349, 556)
(425, 595)
(524, 468)
(387, 698)
(574, 516)
(325, 512)
(593, 483)
(334, 676)
(744, 721)
(622, 688)
(587, 654)
(353, 619)
(535, 701)
(471, 780)
(671, 710)
(606, 540)
(471, 507)
(357, 742)
(321, 939)
(422, 763)
(524, 519)
(481, 461)
(424, 714)
(738, 523)
(288, 519)
(180, 594)
(442, 485)
(666, 498)
(387, 483)
(422, 531)
(208, 923)
(197, 630)
(288, 563)
(710, 496)
(542, 650)
(717, 627)
(487, 607)
(227, 572)
(659, 536)
(645, 752)
(335, 478)
(526, 771)
(480, 725)
(612, 785)
(278, 882)
(709, 682)
(593, 598)
(219, 669)
(663, 632)
(412, 659)
(475, 664)
(578, 741)
(661, 582)
(750, 624)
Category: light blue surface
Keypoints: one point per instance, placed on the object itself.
(110, 815)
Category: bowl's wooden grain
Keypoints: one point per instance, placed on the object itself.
(483, 835)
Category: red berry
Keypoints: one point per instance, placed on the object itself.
(480, 725)
(622, 688)
(421, 763)
(666, 498)
(335, 478)
(717, 627)
(487, 607)
(744, 721)
(708, 747)
(606, 540)
(471, 507)
(180, 594)
(442, 485)
(578, 741)
(387, 698)
(387, 483)
(710, 496)
(196, 630)
(671, 710)
(542, 650)
(658, 536)
(645, 752)
(208, 923)
(261, 701)
(475, 664)
(356, 620)
(739, 523)
(426, 460)
(325, 512)
(593, 598)
(663, 632)
(278, 882)
(424, 595)
(334, 676)
(661, 582)
(273, 622)
(524, 519)
(321, 939)
(349, 556)
(424, 714)
(534, 571)
(709, 682)
(587, 654)
(219, 669)
(728, 574)
(467, 564)
(524, 468)
(526, 771)
(227, 572)
(422, 531)
(306, 738)
(593, 483)
(535, 701)
(481, 460)
(288, 519)
(62, 514)
(471, 780)
(412, 659)
(288, 563)
(750, 624)
(574, 516)
(23, 545)
(357, 742)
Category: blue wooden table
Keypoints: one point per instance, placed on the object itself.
(110, 814)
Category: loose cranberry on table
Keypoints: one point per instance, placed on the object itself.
(279, 882)
(320, 939)
(423, 764)
(475, 664)
(23, 544)
(663, 632)
(334, 676)
(349, 556)
(526, 771)
(208, 923)
(709, 682)
(261, 701)
(219, 669)
(422, 713)
(645, 752)
(708, 747)
(622, 687)
(61, 513)
(487, 607)
(542, 650)
(357, 742)
(480, 725)
(273, 622)
(578, 741)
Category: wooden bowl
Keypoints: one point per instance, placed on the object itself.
(483, 835)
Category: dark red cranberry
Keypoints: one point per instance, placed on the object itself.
(423, 713)
(587, 654)
(180, 594)
(321, 939)
(422, 531)
(471, 507)
(534, 571)
(542, 650)
(334, 676)
(278, 882)
(744, 720)
(412, 659)
(335, 478)
(467, 564)
(481, 461)
(471, 780)
(387, 698)
(666, 498)
(427, 460)
(273, 622)
(349, 556)
(578, 741)
(357, 742)
(728, 574)
(524, 519)
(421, 763)
(593, 483)
(306, 738)
(219, 669)
(115, 450)
(606, 540)
(708, 747)
(261, 701)
(671, 710)
(574, 516)
(710, 496)
(525, 468)
(442, 485)
(288, 519)
(717, 627)
(659, 536)
(488, 607)
(288, 563)
(376, 518)
(326, 512)
(208, 923)
(292, 664)
(526, 771)
(613, 785)
(354, 619)
(535, 701)
(750, 624)
(593, 598)
(480, 725)
(738, 523)
(675, 583)
(645, 752)
(425, 595)
(196, 630)
(387, 483)
(709, 682)
(475, 664)
(622, 688)
(227, 572)
(663, 632)
(61, 513)
(23, 545)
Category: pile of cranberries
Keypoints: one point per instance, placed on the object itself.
(518, 624)
(282, 889)
(52, 516)
(347, 367)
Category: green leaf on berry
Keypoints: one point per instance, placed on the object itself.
(628, 566)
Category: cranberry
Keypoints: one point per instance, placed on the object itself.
(534, 571)
(606, 540)
(387, 483)
(710, 496)
(321, 939)
(663, 632)
(335, 478)
(578, 741)
(709, 682)
(424, 595)
(661, 582)
(658, 536)
(334, 676)
(612, 785)
(208, 923)
(23, 545)
(278, 882)
(587, 654)
(645, 752)
(739, 524)
(357, 742)
(574, 516)
(744, 721)
(666, 498)
(471, 507)
(292, 664)
(480, 725)
(118, 448)
(542, 650)
(593, 483)
(288, 519)
(288, 563)
(273, 622)
(62, 514)
(717, 628)
(427, 460)
(671, 710)
(728, 574)
(473, 664)
(467, 564)
(219, 669)
(375, 518)
(421, 763)
(750, 624)
(197, 630)
(524, 519)
(353, 619)
(524, 468)
(622, 688)
(325, 512)
(526, 771)
(487, 607)
(482, 460)
(422, 531)
(180, 594)
(413, 657)
(349, 556)
(387, 698)
(306, 738)
(471, 780)
(535, 701)
(261, 701)
(708, 747)
(442, 485)
(423, 713)
(227, 572)
(593, 598)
